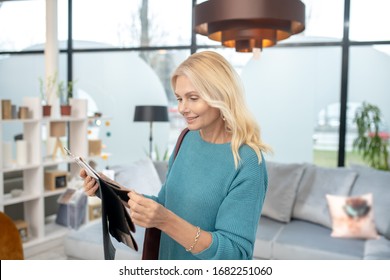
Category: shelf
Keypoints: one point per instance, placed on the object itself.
(103, 118)
(48, 193)
(9, 200)
(51, 162)
(20, 167)
(17, 121)
(35, 201)
(52, 231)
(62, 119)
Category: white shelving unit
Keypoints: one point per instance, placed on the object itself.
(31, 203)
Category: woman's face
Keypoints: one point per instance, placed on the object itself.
(197, 113)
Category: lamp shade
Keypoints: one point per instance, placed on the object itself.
(151, 114)
(248, 24)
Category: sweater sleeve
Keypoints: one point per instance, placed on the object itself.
(239, 213)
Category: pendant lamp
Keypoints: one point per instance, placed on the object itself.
(248, 24)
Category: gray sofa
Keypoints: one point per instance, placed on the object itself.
(295, 222)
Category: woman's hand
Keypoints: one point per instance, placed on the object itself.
(146, 212)
(90, 185)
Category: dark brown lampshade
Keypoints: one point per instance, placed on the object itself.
(248, 24)
(151, 114)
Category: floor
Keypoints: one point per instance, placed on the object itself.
(54, 253)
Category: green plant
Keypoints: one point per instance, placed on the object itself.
(370, 144)
(65, 93)
(164, 157)
(47, 88)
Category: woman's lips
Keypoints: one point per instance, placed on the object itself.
(191, 119)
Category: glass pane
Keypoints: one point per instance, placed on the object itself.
(237, 59)
(20, 76)
(121, 23)
(22, 24)
(369, 21)
(324, 22)
(29, 33)
(164, 63)
(114, 83)
(288, 91)
(368, 82)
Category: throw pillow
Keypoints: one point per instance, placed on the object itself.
(316, 182)
(283, 180)
(140, 176)
(377, 182)
(352, 216)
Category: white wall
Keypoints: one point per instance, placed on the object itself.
(285, 90)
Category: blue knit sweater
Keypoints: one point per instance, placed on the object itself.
(204, 187)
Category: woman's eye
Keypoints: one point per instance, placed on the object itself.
(194, 98)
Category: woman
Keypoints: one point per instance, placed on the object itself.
(210, 204)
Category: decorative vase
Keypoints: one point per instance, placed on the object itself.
(66, 110)
(46, 110)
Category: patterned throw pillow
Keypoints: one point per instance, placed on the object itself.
(352, 217)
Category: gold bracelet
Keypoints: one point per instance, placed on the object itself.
(195, 240)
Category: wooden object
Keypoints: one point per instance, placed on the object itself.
(6, 108)
(57, 129)
(23, 112)
(22, 227)
(58, 146)
(94, 208)
(11, 247)
(55, 179)
(94, 147)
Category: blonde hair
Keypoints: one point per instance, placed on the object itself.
(219, 85)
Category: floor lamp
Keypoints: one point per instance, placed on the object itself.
(151, 114)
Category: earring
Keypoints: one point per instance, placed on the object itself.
(223, 118)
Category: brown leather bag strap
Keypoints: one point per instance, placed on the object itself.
(152, 237)
(179, 141)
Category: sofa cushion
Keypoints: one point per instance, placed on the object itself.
(378, 249)
(86, 243)
(283, 180)
(267, 231)
(161, 168)
(140, 176)
(352, 216)
(307, 241)
(376, 182)
(311, 204)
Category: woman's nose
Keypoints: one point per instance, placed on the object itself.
(183, 107)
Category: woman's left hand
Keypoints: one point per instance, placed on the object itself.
(146, 212)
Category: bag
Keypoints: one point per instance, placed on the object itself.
(72, 208)
(152, 237)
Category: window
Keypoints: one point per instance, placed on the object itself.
(135, 23)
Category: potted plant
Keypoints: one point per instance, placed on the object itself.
(46, 90)
(65, 93)
(371, 142)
